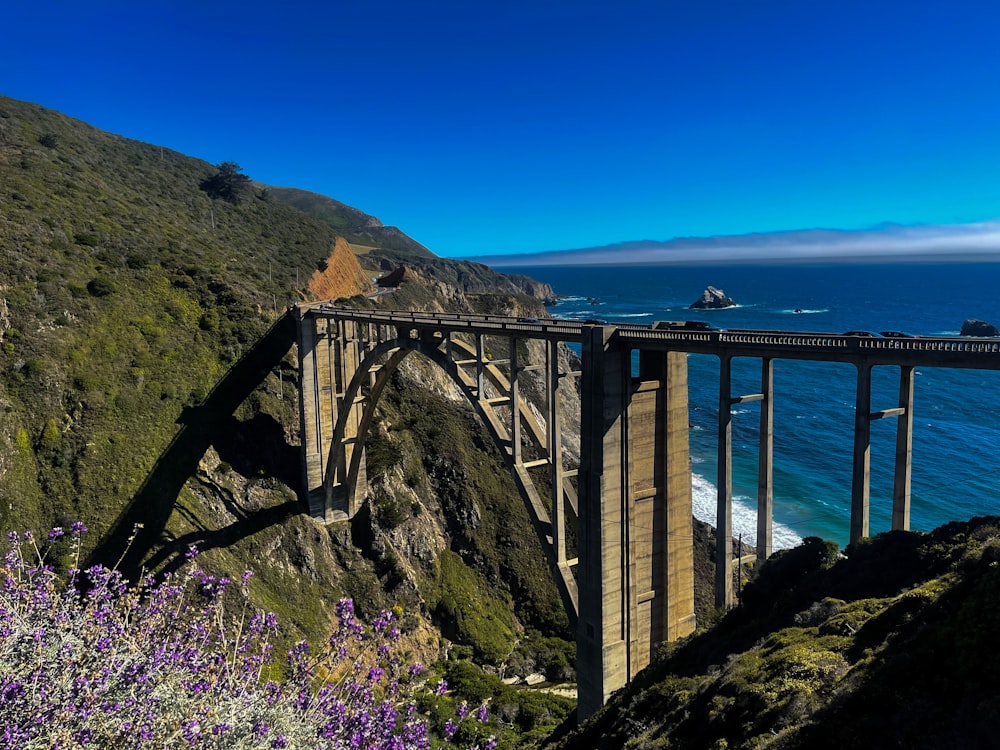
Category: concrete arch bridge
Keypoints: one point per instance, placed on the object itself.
(629, 584)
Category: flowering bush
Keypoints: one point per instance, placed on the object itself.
(88, 659)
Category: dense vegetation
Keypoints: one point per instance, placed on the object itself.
(890, 645)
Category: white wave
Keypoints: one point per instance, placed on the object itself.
(704, 499)
(803, 311)
(633, 315)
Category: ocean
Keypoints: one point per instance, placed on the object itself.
(956, 433)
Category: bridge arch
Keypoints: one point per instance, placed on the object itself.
(345, 483)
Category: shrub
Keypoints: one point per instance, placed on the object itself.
(87, 659)
(100, 287)
(228, 183)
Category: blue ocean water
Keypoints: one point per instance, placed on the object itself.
(956, 440)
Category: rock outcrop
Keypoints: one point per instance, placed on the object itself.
(395, 278)
(973, 327)
(712, 299)
(540, 290)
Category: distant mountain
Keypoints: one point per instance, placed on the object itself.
(887, 242)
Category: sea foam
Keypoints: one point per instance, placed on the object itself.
(704, 498)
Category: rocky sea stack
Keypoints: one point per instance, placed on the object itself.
(712, 299)
(974, 327)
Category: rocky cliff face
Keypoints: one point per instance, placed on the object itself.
(341, 275)
(533, 288)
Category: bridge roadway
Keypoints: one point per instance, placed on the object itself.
(633, 451)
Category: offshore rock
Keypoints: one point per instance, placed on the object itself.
(973, 327)
(712, 299)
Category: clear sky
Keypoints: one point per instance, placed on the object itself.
(482, 127)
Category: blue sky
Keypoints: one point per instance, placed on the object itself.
(484, 128)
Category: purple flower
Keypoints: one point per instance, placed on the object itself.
(55, 533)
(108, 656)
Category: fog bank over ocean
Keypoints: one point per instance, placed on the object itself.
(887, 243)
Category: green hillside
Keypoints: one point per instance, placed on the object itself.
(148, 379)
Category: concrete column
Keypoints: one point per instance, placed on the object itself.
(554, 434)
(765, 463)
(636, 562)
(860, 480)
(354, 353)
(515, 414)
(602, 653)
(480, 354)
(724, 512)
(904, 452)
(316, 395)
(347, 354)
(659, 409)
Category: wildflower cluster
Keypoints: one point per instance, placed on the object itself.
(88, 659)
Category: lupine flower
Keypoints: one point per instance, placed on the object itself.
(158, 664)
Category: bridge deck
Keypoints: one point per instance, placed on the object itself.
(930, 351)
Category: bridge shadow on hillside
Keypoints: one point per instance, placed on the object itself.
(210, 423)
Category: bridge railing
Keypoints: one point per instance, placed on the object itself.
(680, 336)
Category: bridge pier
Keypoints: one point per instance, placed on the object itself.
(861, 472)
(724, 506)
(860, 484)
(636, 571)
(904, 452)
(765, 463)
(724, 558)
(328, 352)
